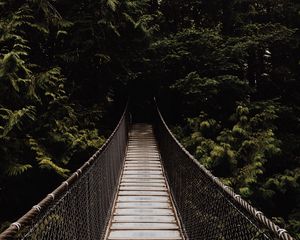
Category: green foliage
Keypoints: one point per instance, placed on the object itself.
(231, 72)
(112, 4)
(12, 119)
(230, 68)
(60, 71)
(200, 92)
(17, 169)
(44, 159)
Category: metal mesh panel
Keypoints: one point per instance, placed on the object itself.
(81, 210)
(206, 210)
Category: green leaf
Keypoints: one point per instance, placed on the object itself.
(16, 169)
(112, 4)
(48, 164)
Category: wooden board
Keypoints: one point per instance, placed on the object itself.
(142, 199)
(150, 205)
(145, 234)
(144, 219)
(143, 212)
(143, 226)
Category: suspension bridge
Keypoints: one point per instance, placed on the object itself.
(142, 184)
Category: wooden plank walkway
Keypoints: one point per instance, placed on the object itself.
(143, 208)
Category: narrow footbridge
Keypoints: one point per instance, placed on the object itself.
(143, 185)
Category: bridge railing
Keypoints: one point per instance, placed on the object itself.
(81, 206)
(207, 208)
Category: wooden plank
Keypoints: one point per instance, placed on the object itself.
(143, 172)
(139, 147)
(145, 138)
(148, 147)
(142, 149)
(145, 149)
(143, 212)
(142, 188)
(142, 142)
(143, 193)
(148, 176)
(143, 169)
(142, 154)
(134, 137)
(156, 167)
(133, 157)
(142, 158)
(142, 184)
(141, 164)
(143, 199)
(142, 180)
(149, 161)
(144, 219)
(144, 234)
(143, 226)
(157, 205)
(143, 161)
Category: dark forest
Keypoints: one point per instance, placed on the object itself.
(226, 74)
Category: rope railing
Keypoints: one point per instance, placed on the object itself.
(207, 208)
(80, 207)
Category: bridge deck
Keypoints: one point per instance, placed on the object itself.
(143, 208)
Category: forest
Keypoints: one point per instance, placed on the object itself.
(226, 74)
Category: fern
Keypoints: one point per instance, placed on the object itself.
(44, 159)
(49, 11)
(112, 4)
(52, 83)
(48, 164)
(16, 118)
(15, 169)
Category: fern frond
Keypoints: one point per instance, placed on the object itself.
(44, 159)
(103, 58)
(16, 118)
(16, 169)
(14, 69)
(48, 10)
(39, 27)
(65, 24)
(9, 64)
(48, 164)
(112, 4)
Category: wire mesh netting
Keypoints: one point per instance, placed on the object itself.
(81, 211)
(206, 211)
